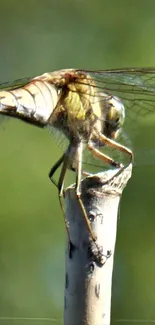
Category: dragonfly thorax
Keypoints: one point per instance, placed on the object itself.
(77, 113)
(81, 114)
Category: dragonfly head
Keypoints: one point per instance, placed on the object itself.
(113, 114)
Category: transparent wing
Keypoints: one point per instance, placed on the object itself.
(136, 89)
(11, 85)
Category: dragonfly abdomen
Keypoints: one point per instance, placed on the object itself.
(33, 102)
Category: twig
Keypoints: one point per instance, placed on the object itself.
(88, 285)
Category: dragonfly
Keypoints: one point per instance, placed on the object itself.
(90, 108)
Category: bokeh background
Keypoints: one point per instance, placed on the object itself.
(38, 36)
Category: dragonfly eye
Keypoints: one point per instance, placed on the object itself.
(114, 116)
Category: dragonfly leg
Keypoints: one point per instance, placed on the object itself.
(84, 172)
(115, 145)
(65, 166)
(54, 168)
(98, 255)
(111, 143)
(57, 165)
(100, 155)
(60, 186)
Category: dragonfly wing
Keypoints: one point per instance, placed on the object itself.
(136, 89)
(11, 85)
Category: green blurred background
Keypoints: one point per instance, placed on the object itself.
(38, 36)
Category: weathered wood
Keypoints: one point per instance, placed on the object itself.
(88, 285)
